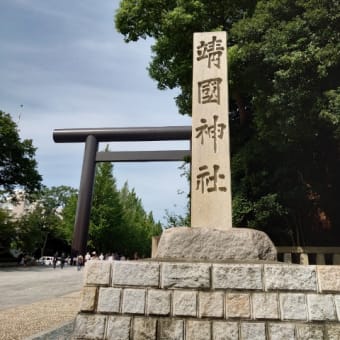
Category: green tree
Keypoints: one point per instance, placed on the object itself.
(106, 231)
(43, 224)
(7, 231)
(68, 216)
(18, 167)
(118, 221)
(140, 226)
(283, 60)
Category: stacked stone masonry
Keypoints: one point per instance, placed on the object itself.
(192, 301)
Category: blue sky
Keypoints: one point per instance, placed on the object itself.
(69, 68)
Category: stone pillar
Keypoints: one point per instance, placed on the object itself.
(210, 183)
(304, 259)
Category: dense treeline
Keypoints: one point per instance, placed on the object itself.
(284, 62)
(119, 222)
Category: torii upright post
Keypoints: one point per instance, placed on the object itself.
(210, 184)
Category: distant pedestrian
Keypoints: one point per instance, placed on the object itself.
(55, 260)
(80, 261)
(87, 257)
(101, 256)
(62, 261)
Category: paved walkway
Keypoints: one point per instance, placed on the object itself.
(36, 299)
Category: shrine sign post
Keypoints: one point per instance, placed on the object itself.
(210, 183)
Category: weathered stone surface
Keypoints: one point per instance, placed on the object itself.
(213, 244)
(238, 305)
(97, 272)
(210, 156)
(144, 328)
(281, 331)
(293, 306)
(290, 277)
(329, 278)
(159, 302)
(198, 330)
(265, 306)
(88, 299)
(171, 329)
(321, 307)
(253, 331)
(89, 326)
(134, 301)
(337, 305)
(118, 328)
(237, 276)
(333, 332)
(135, 273)
(185, 303)
(225, 330)
(309, 332)
(109, 300)
(211, 304)
(185, 275)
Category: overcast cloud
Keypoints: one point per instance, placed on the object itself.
(65, 63)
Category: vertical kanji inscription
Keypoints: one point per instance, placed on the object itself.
(210, 184)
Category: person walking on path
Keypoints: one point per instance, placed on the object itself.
(55, 259)
(62, 260)
(80, 261)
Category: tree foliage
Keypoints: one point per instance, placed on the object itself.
(43, 225)
(18, 167)
(118, 220)
(7, 230)
(284, 62)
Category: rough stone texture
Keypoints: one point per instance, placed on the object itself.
(109, 300)
(211, 304)
(321, 307)
(282, 331)
(171, 329)
(206, 208)
(144, 328)
(329, 278)
(89, 326)
(225, 330)
(237, 276)
(118, 328)
(337, 305)
(290, 277)
(134, 301)
(213, 301)
(98, 272)
(135, 273)
(265, 306)
(293, 306)
(310, 332)
(253, 331)
(159, 302)
(88, 299)
(185, 275)
(333, 332)
(212, 244)
(238, 305)
(198, 330)
(184, 303)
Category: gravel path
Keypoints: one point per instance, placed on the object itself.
(27, 320)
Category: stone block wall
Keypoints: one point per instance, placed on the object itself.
(192, 301)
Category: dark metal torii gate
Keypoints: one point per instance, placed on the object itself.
(91, 138)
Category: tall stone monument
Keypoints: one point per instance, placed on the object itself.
(212, 236)
(210, 184)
